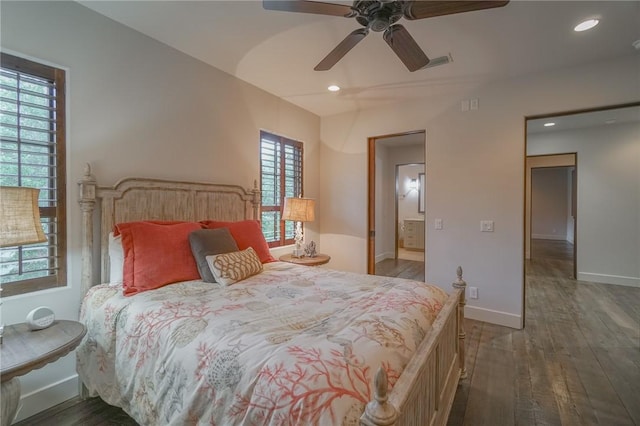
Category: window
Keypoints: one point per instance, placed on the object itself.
(32, 153)
(280, 177)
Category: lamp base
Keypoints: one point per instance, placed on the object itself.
(298, 253)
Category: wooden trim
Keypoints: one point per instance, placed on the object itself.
(28, 286)
(26, 66)
(282, 141)
(58, 78)
(396, 215)
(371, 205)
(579, 111)
(371, 196)
(61, 176)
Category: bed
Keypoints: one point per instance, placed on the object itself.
(288, 345)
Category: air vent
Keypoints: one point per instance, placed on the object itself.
(440, 60)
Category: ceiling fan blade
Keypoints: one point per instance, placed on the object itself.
(308, 7)
(399, 39)
(341, 49)
(420, 9)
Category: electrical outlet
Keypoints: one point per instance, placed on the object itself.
(473, 292)
(473, 104)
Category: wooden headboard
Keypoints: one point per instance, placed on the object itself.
(133, 199)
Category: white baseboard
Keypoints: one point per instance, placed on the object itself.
(549, 237)
(609, 279)
(494, 317)
(385, 255)
(48, 396)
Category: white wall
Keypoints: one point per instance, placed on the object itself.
(549, 203)
(608, 212)
(475, 171)
(139, 108)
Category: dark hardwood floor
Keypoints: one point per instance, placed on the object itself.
(577, 361)
(401, 268)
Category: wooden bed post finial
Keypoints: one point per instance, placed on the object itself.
(256, 201)
(379, 412)
(461, 284)
(87, 200)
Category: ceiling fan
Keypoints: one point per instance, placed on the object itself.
(381, 16)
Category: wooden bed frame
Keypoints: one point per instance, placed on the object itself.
(424, 392)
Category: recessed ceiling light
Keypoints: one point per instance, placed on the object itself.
(333, 88)
(586, 25)
(549, 124)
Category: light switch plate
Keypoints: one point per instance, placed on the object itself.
(486, 225)
(438, 224)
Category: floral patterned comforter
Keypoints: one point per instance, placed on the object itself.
(291, 345)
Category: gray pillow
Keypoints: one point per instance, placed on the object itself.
(207, 242)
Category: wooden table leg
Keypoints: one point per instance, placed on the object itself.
(10, 399)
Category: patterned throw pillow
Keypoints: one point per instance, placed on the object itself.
(229, 268)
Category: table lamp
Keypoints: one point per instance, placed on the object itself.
(19, 220)
(299, 210)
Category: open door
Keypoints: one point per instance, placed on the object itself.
(551, 207)
(383, 189)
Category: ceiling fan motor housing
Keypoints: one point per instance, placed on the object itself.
(381, 16)
(377, 15)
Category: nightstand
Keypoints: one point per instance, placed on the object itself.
(23, 350)
(319, 259)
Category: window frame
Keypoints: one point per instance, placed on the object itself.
(57, 249)
(298, 183)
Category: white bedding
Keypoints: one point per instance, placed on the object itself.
(291, 345)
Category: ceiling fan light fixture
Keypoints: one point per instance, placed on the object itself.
(333, 88)
(586, 25)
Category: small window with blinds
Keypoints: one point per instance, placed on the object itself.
(280, 177)
(32, 154)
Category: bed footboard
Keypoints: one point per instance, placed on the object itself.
(424, 392)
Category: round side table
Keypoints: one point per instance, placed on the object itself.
(319, 259)
(23, 350)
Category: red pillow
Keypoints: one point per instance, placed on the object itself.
(247, 233)
(156, 254)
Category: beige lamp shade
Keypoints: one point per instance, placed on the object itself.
(299, 209)
(19, 217)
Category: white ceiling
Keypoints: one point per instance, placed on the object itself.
(277, 51)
